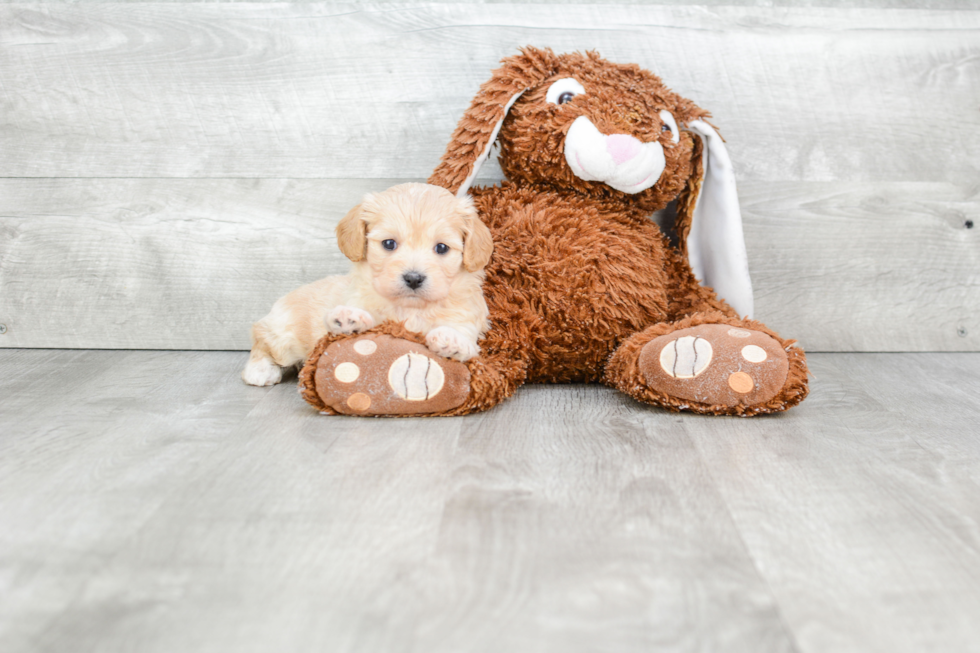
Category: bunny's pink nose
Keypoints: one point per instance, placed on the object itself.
(622, 147)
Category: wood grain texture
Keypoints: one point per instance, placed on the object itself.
(372, 91)
(866, 267)
(875, 483)
(164, 264)
(83, 471)
(853, 126)
(837, 4)
(190, 264)
(215, 516)
(162, 505)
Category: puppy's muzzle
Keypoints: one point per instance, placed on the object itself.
(413, 280)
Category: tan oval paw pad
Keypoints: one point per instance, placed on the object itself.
(359, 402)
(741, 382)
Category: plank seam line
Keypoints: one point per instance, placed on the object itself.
(777, 606)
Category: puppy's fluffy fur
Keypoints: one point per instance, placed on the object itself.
(418, 254)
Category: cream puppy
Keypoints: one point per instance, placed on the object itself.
(418, 254)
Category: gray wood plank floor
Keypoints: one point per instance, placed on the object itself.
(149, 501)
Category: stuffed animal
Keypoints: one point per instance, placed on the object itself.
(583, 286)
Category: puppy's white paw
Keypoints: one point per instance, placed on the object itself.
(447, 341)
(262, 372)
(347, 320)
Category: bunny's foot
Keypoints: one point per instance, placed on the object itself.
(715, 364)
(377, 374)
(390, 371)
(734, 367)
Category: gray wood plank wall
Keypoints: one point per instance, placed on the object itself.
(168, 170)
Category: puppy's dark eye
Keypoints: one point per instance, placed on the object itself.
(665, 128)
(565, 97)
(442, 248)
(389, 244)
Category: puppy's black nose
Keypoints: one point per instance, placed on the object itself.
(413, 279)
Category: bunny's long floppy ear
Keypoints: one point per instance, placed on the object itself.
(476, 132)
(709, 222)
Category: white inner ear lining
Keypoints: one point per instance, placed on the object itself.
(465, 186)
(716, 243)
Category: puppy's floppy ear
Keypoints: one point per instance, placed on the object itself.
(470, 144)
(477, 241)
(352, 234)
(709, 222)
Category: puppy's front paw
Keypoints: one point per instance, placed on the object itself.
(347, 320)
(450, 343)
(262, 372)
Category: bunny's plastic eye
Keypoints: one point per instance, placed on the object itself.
(389, 244)
(669, 125)
(442, 248)
(564, 90)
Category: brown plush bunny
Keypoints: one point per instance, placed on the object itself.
(583, 286)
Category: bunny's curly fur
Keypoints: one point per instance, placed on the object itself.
(581, 278)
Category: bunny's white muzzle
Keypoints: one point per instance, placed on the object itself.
(621, 161)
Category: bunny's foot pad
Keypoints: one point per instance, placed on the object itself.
(377, 374)
(716, 364)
